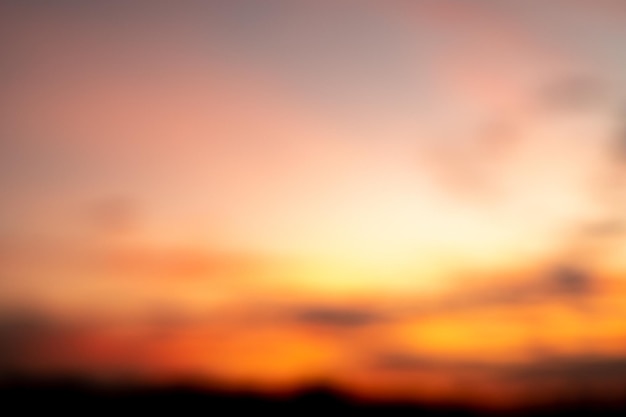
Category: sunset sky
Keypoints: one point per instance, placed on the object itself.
(409, 198)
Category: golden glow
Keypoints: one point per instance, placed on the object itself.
(386, 204)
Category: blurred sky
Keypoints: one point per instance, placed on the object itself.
(290, 161)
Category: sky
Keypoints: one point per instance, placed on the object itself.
(405, 198)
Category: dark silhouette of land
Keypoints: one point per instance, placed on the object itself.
(73, 395)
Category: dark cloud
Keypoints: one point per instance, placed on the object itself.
(580, 377)
(572, 93)
(397, 361)
(566, 283)
(569, 280)
(337, 317)
(21, 331)
(36, 342)
(557, 380)
(583, 376)
(574, 368)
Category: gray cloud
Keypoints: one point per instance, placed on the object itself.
(572, 93)
(585, 377)
(21, 331)
(398, 361)
(337, 317)
(568, 280)
(565, 283)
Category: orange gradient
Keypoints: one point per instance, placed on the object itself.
(403, 200)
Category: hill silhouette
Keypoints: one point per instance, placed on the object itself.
(69, 395)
